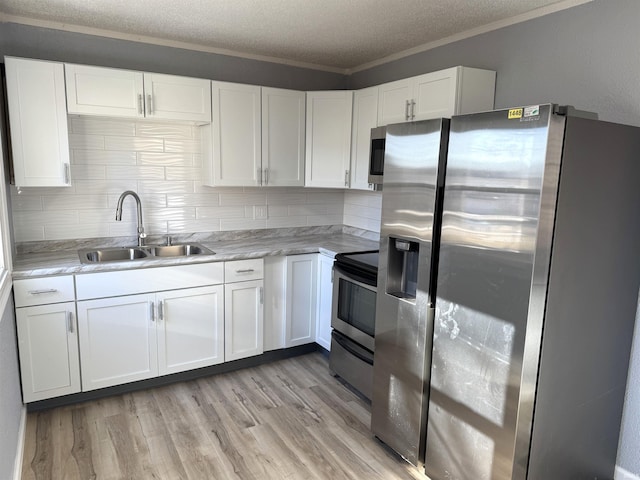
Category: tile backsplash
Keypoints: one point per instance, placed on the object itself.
(162, 163)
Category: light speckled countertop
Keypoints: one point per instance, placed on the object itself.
(60, 262)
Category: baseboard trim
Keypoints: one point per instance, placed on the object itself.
(622, 474)
(17, 466)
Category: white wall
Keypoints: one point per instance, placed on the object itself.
(162, 163)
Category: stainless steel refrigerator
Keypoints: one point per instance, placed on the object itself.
(507, 292)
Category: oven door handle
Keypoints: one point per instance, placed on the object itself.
(344, 343)
(354, 276)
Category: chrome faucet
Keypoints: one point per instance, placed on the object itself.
(141, 234)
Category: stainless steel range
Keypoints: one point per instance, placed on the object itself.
(353, 318)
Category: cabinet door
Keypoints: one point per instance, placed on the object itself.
(283, 131)
(392, 102)
(235, 134)
(190, 328)
(48, 346)
(325, 296)
(243, 319)
(38, 119)
(117, 340)
(173, 97)
(328, 145)
(104, 91)
(435, 94)
(301, 313)
(365, 117)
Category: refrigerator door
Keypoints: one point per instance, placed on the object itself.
(497, 222)
(414, 156)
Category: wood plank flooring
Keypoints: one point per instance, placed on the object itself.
(285, 420)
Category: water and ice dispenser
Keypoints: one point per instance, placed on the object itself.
(402, 268)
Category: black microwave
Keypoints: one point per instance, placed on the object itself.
(376, 155)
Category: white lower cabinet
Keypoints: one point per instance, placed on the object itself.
(325, 296)
(117, 340)
(275, 299)
(243, 309)
(48, 346)
(190, 328)
(301, 299)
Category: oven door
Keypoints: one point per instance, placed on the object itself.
(354, 308)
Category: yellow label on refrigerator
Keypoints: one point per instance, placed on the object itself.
(515, 113)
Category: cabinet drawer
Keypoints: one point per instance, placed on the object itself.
(129, 282)
(40, 291)
(241, 270)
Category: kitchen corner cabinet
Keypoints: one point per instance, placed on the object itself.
(275, 299)
(444, 93)
(38, 122)
(243, 309)
(283, 137)
(328, 139)
(47, 337)
(124, 93)
(365, 117)
(301, 298)
(324, 303)
(232, 143)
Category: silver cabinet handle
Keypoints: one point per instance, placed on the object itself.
(261, 296)
(70, 321)
(149, 105)
(346, 178)
(140, 104)
(40, 292)
(259, 176)
(152, 313)
(413, 108)
(67, 174)
(406, 110)
(161, 310)
(246, 270)
(266, 176)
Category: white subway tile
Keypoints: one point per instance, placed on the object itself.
(183, 173)
(314, 220)
(307, 210)
(165, 186)
(336, 196)
(184, 146)
(286, 198)
(364, 223)
(361, 211)
(286, 222)
(38, 191)
(242, 199)
(105, 215)
(138, 144)
(103, 157)
(61, 232)
(115, 186)
(197, 160)
(87, 172)
(207, 213)
(135, 171)
(47, 218)
(149, 200)
(193, 200)
(167, 214)
(165, 159)
(28, 233)
(165, 130)
(86, 142)
(194, 226)
(23, 203)
(366, 199)
(75, 202)
(335, 209)
(278, 210)
(102, 126)
(227, 224)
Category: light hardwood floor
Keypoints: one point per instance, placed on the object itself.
(285, 420)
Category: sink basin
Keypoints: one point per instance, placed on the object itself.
(180, 250)
(121, 254)
(112, 255)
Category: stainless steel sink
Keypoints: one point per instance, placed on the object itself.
(125, 254)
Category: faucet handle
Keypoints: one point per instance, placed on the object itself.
(169, 240)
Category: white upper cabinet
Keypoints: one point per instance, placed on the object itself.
(283, 135)
(123, 93)
(232, 145)
(38, 120)
(328, 146)
(365, 117)
(453, 91)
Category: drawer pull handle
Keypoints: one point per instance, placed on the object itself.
(40, 292)
(70, 321)
(246, 270)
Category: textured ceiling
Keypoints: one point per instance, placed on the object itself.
(338, 34)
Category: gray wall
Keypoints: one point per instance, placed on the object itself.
(48, 44)
(588, 57)
(10, 395)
